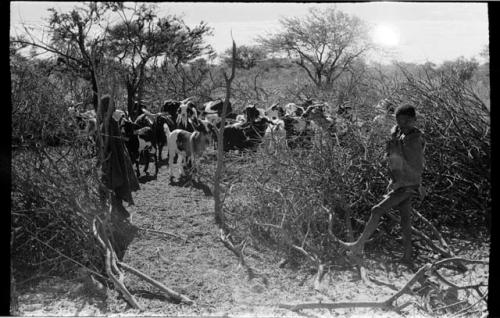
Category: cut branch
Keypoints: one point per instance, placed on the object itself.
(218, 204)
(164, 233)
(102, 238)
(172, 294)
(225, 239)
(389, 303)
(433, 229)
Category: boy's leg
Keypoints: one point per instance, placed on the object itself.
(393, 199)
(405, 211)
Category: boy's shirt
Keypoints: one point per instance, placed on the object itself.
(406, 158)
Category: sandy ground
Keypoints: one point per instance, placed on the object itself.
(196, 263)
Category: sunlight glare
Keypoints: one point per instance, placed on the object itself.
(386, 35)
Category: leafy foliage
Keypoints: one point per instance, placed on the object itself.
(145, 37)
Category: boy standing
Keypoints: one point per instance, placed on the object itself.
(405, 152)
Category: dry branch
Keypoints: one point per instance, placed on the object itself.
(388, 303)
(164, 233)
(172, 294)
(443, 251)
(225, 239)
(372, 304)
(433, 228)
(447, 282)
(218, 204)
(219, 213)
(109, 254)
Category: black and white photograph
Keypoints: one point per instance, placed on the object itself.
(250, 159)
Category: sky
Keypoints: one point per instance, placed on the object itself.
(409, 31)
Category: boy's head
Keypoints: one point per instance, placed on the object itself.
(405, 116)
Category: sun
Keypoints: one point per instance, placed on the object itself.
(386, 35)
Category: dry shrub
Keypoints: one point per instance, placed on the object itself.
(54, 180)
(293, 198)
(456, 123)
(53, 200)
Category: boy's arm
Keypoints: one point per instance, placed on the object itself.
(414, 152)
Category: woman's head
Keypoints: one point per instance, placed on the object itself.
(105, 103)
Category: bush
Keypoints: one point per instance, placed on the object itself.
(53, 201)
(54, 179)
(456, 122)
(297, 196)
(295, 199)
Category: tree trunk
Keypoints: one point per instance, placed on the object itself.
(139, 93)
(93, 79)
(130, 99)
(319, 82)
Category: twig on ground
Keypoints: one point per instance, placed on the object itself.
(447, 282)
(163, 232)
(465, 310)
(102, 238)
(172, 294)
(389, 302)
(433, 229)
(379, 282)
(451, 305)
(444, 252)
(229, 245)
(298, 307)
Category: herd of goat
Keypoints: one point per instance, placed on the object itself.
(187, 131)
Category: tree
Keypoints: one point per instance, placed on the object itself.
(246, 56)
(73, 40)
(485, 53)
(324, 43)
(461, 67)
(144, 38)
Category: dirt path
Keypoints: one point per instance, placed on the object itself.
(198, 265)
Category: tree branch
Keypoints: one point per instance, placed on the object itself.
(171, 293)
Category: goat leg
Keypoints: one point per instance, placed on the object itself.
(146, 165)
(137, 168)
(160, 149)
(156, 165)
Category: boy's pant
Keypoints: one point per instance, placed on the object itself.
(401, 200)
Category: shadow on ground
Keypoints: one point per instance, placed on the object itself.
(187, 181)
(124, 233)
(146, 178)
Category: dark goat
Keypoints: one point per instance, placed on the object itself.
(298, 133)
(248, 134)
(212, 111)
(139, 141)
(157, 122)
(171, 107)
